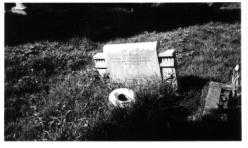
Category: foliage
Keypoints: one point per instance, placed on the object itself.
(52, 91)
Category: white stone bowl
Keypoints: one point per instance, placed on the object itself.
(122, 97)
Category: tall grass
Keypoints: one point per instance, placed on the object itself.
(53, 92)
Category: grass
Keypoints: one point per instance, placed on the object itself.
(207, 51)
(53, 92)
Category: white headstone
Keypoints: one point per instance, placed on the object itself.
(132, 61)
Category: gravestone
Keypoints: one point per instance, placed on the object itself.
(132, 62)
(218, 101)
(100, 63)
(212, 99)
(168, 67)
(135, 61)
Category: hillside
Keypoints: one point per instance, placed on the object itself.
(102, 22)
(52, 91)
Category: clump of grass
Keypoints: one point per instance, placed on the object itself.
(74, 103)
(52, 91)
(76, 108)
(30, 69)
(156, 110)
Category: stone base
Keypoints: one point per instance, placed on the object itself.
(167, 63)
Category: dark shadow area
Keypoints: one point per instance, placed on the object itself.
(188, 83)
(167, 123)
(168, 118)
(103, 22)
(148, 120)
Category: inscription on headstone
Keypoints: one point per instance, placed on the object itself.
(132, 61)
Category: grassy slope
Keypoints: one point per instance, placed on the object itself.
(208, 51)
(52, 91)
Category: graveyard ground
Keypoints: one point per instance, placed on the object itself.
(52, 91)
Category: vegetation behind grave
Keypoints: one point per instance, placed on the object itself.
(52, 91)
(102, 22)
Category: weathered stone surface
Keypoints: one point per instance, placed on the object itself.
(100, 63)
(168, 67)
(100, 60)
(167, 53)
(212, 99)
(166, 60)
(132, 61)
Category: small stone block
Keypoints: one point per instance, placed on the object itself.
(167, 53)
(99, 56)
(212, 99)
(100, 63)
(167, 62)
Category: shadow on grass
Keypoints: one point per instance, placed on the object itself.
(168, 125)
(188, 83)
(144, 122)
(168, 119)
(103, 22)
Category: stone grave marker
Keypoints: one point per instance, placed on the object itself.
(212, 99)
(168, 67)
(140, 60)
(132, 62)
(100, 63)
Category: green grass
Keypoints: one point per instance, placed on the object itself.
(53, 92)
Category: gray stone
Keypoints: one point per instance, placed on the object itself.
(217, 101)
(166, 59)
(100, 63)
(212, 99)
(132, 62)
(168, 67)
